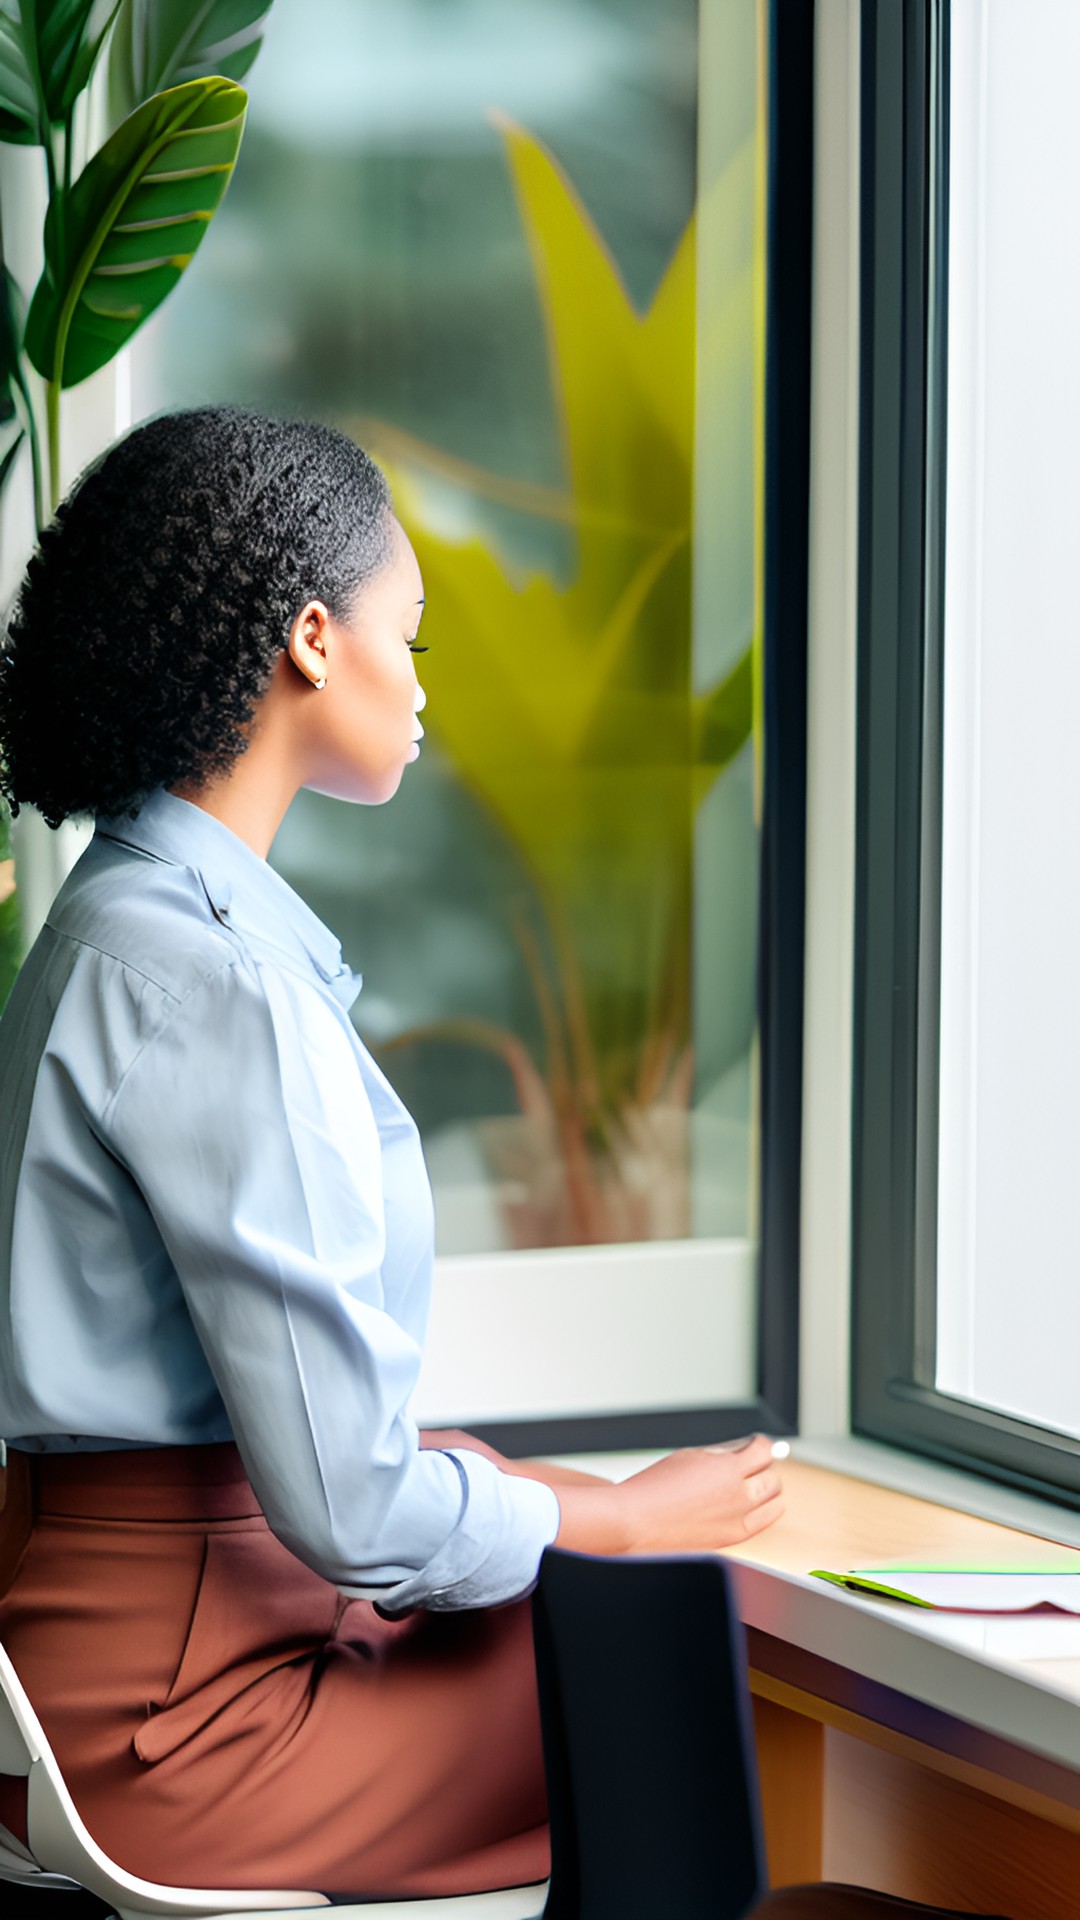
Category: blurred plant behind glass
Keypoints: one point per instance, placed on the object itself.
(531, 882)
(569, 711)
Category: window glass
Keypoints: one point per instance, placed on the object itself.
(1008, 1307)
(518, 253)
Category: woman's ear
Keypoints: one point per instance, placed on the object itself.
(309, 643)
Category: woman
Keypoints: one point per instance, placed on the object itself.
(277, 1638)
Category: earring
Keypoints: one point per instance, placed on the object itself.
(319, 684)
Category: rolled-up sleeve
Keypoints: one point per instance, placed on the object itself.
(246, 1124)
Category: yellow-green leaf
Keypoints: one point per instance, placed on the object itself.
(625, 380)
(569, 707)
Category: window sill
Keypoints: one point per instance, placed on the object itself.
(851, 1503)
(946, 1486)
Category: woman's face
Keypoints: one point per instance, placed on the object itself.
(362, 726)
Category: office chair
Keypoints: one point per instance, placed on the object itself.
(648, 1740)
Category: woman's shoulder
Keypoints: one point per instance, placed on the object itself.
(127, 945)
(139, 978)
(148, 916)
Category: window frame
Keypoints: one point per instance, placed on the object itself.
(904, 91)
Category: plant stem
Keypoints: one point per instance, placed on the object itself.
(52, 409)
(50, 160)
(40, 516)
(30, 427)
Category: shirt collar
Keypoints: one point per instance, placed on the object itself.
(244, 891)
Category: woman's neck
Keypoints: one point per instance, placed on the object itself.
(255, 793)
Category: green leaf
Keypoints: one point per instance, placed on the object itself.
(161, 43)
(19, 120)
(130, 225)
(12, 376)
(12, 316)
(69, 36)
(13, 436)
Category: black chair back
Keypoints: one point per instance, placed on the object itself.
(648, 1740)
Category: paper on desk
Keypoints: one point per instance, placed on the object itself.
(982, 1590)
(1010, 1613)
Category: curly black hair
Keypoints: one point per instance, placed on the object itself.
(149, 620)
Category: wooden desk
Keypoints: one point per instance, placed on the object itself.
(891, 1760)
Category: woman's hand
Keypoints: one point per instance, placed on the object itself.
(692, 1501)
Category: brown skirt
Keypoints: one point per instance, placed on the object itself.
(223, 1717)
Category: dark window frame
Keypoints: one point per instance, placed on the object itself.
(774, 1409)
(902, 475)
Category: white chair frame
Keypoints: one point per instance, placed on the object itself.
(63, 1854)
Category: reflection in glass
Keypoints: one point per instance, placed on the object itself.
(466, 234)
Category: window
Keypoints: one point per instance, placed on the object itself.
(539, 260)
(966, 1242)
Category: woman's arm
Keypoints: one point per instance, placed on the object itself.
(246, 1123)
(694, 1500)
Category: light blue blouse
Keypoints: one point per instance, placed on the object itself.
(216, 1223)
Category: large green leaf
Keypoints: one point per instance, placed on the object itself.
(119, 241)
(68, 37)
(161, 43)
(19, 118)
(48, 49)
